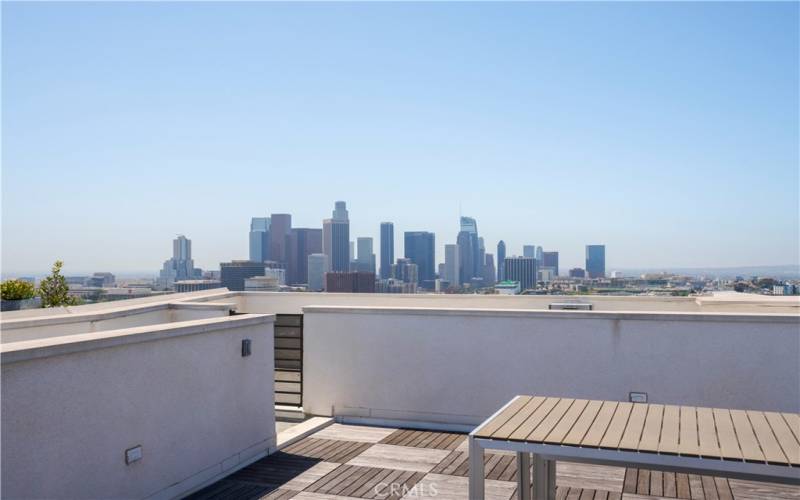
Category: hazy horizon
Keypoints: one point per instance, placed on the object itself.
(788, 271)
(667, 132)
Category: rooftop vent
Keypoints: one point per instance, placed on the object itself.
(570, 306)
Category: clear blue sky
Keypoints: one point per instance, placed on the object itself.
(667, 131)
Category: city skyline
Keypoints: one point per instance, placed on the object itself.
(678, 150)
(399, 251)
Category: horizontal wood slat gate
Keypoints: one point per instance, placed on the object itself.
(289, 359)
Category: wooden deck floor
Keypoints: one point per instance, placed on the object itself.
(343, 462)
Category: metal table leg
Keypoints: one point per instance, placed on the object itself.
(544, 478)
(476, 483)
(523, 476)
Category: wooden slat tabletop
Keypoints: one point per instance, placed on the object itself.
(713, 433)
(689, 441)
(617, 426)
(707, 433)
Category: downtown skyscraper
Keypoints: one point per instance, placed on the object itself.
(387, 249)
(596, 261)
(501, 258)
(280, 229)
(522, 269)
(420, 248)
(259, 239)
(529, 251)
(180, 266)
(481, 258)
(336, 239)
(550, 260)
(302, 243)
(451, 267)
(365, 258)
(469, 250)
(489, 272)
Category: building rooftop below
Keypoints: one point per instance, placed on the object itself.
(345, 462)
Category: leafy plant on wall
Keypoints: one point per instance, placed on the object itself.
(54, 289)
(17, 290)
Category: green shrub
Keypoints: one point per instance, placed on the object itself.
(54, 289)
(17, 290)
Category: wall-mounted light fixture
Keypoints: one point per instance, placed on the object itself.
(246, 347)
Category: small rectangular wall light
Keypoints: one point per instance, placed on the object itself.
(133, 454)
(246, 347)
(637, 397)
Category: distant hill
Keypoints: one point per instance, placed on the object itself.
(788, 271)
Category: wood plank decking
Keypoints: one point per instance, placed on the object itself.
(346, 462)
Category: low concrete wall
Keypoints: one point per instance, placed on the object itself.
(294, 302)
(112, 318)
(104, 306)
(72, 405)
(459, 366)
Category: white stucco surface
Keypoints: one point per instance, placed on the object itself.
(459, 367)
(116, 316)
(185, 394)
(106, 306)
(293, 302)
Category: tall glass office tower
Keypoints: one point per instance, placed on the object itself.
(469, 257)
(259, 239)
(596, 261)
(420, 248)
(501, 257)
(336, 238)
(387, 249)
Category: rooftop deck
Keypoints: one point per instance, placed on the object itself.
(114, 383)
(343, 462)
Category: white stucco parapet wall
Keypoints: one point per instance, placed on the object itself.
(528, 313)
(182, 391)
(120, 311)
(119, 304)
(111, 318)
(13, 352)
(458, 366)
(293, 302)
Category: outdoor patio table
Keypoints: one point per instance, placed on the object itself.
(745, 444)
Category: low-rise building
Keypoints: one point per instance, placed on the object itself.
(100, 280)
(392, 285)
(405, 270)
(577, 272)
(507, 287)
(262, 284)
(547, 274)
(196, 285)
(235, 272)
(350, 282)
